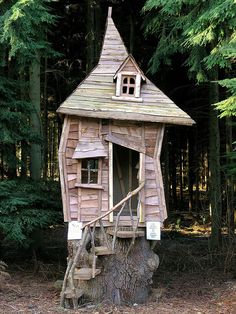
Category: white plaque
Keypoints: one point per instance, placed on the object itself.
(74, 230)
(153, 230)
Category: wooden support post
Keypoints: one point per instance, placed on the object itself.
(110, 180)
(142, 193)
(130, 170)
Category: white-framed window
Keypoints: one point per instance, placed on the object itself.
(128, 86)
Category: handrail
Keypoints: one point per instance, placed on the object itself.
(72, 263)
(128, 196)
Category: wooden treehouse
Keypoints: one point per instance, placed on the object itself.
(111, 177)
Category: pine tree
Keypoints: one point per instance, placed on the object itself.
(23, 28)
(200, 30)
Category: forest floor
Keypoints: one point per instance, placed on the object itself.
(189, 279)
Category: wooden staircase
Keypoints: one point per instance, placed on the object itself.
(75, 271)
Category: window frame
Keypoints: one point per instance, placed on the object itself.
(128, 85)
(119, 95)
(98, 184)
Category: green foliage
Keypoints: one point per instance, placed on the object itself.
(23, 28)
(205, 31)
(26, 206)
(199, 28)
(14, 113)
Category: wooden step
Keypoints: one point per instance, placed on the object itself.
(126, 233)
(103, 250)
(85, 273)
(69, 294)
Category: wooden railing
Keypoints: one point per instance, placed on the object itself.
(88, 232)
(125, 199)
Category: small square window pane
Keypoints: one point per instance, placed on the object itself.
(93, 177)
(124, 89)
(132, 80)
(84, 176)
(131, 91)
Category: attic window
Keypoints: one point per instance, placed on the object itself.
(128, 85)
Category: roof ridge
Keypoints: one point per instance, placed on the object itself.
(113, 47)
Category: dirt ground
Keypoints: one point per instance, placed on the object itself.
(187, 281)
(174, 293)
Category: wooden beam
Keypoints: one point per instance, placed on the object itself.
(126, 143)
(142, 193)
(110, 180)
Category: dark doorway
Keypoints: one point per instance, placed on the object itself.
(125, 176)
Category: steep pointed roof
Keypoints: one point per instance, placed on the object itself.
(93, 97)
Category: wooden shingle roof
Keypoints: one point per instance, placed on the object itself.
(93, 97)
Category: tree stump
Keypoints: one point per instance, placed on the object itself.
(125, 276)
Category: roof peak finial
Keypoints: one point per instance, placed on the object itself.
(109, 11)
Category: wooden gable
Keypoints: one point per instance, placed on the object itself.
(130, 66)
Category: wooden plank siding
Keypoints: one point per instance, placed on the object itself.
(84, 204)
(154, 192)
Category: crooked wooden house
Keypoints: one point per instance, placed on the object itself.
(111, 142)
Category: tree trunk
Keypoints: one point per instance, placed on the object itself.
(125, 276)
(35, 119)
(90, 36)
(229, 181)
(173, 175)
(214, 166)
(24, 145)
(166, 177)
(191, 169)
(45, 120)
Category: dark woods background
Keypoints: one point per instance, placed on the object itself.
(47, 49)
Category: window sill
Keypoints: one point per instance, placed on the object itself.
(126, 98)
(89, 186)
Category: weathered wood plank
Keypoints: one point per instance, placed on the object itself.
(73, 208)
(71, 169)
(69, 152)
(152, 200)
(71, 184)
(125, 142)
(73, 200)
(72, 143)
(110, 189)
(73, 215)
(151, 192)
(87, 204)
(70, 161)
(141, 177)
(104, 113)
(87, 197)
(73, 135)
(71, 177)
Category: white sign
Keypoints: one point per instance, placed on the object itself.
(74, 230)
(153, 230)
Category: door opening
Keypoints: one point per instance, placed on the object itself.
(125, 176)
